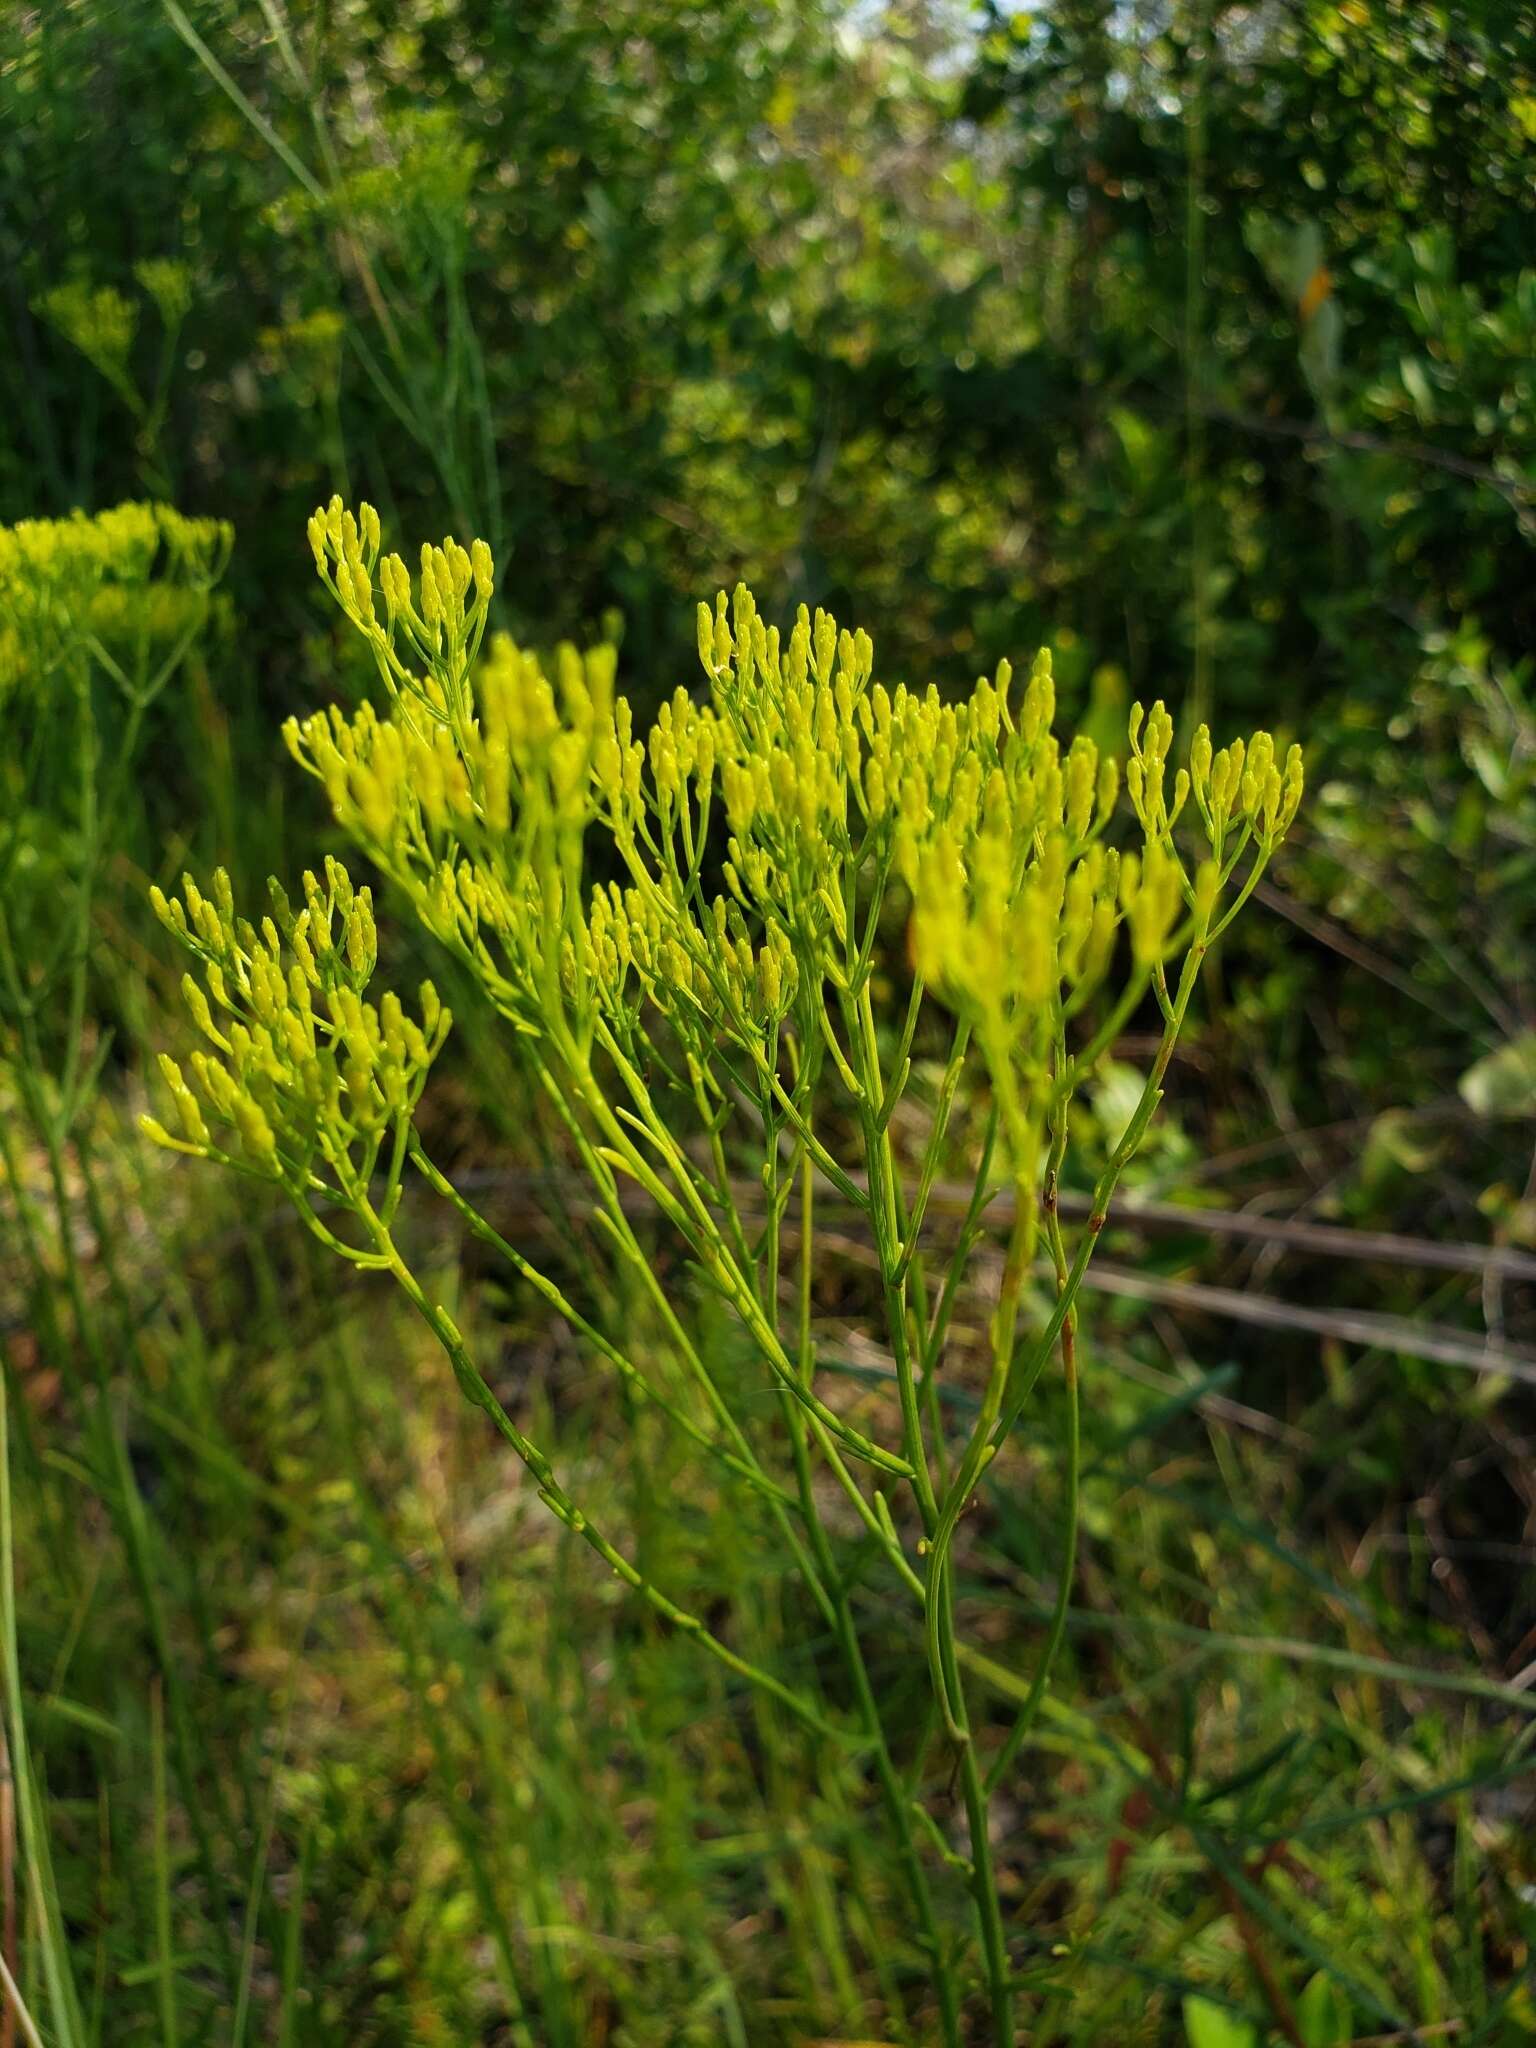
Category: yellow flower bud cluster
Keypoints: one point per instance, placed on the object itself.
(830, 786)
(136, 577)
(821, 767)
(398, 781)
(436, 622)
(147, 621)
(700, 977)
(783, 732)
(1000, 942)
(99, 321)
(1152, 895)
(1243, 786)
(480, 819)
(1016, 898)
(300, 1075)
(1246, 786)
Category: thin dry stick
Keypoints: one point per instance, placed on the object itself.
(1351, 1326)
(1344, 943)
(1441, 2030)
(1327, 1240)
(1512, 488)
(1377, 1331)
(15, 2009)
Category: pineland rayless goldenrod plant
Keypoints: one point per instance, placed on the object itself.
(98, 614)
(99, 617)
(714, 1014)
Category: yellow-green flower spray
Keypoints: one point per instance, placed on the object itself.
(716, 1015)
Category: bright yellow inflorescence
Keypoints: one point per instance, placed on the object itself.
(131, 583)
(696, 933)
(299, 1075)
(759, 836)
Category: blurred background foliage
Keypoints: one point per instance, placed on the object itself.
(953, 312)
(1195, 339)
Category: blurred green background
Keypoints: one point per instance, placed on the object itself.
(1196, 341)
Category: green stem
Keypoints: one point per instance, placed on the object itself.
(744, 1467)
(949, 1688)
(706, 1239)
(1030, 1711)
(846, 1631)
(613, 1216)
(1104, 1188)
(881, 1158)
(123, 1500)
(473, 1385)
(994, 1944)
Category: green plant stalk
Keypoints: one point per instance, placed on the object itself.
(717, 1256)
(733, 1459)
(621, 1234)
(708, 1246)
(943, 1646)
(472, 1383)
(1069, 1283)
(123, 1499)
(57, 1978)
(948, 1685)
(979, 1451)
(293, 1943)
(165, 1968)
(824, 1580)
(881, 1160)
(846, 1630)
(910, 1220)
(1029, 1712)
(402, 1621)
(1024, 1378)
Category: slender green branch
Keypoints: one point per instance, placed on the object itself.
(1029, 1712)
(745, 1468)
(475, 1388)
(676, 1034)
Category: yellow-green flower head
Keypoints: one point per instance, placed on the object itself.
(476, 791)
(300, 1072)
(134, 581)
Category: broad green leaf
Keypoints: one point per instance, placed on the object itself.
(1416, 384)
(1117, 1092)
(1323, 2014)
(1503, 1083)
(1144, 448)
(1212, 2026)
